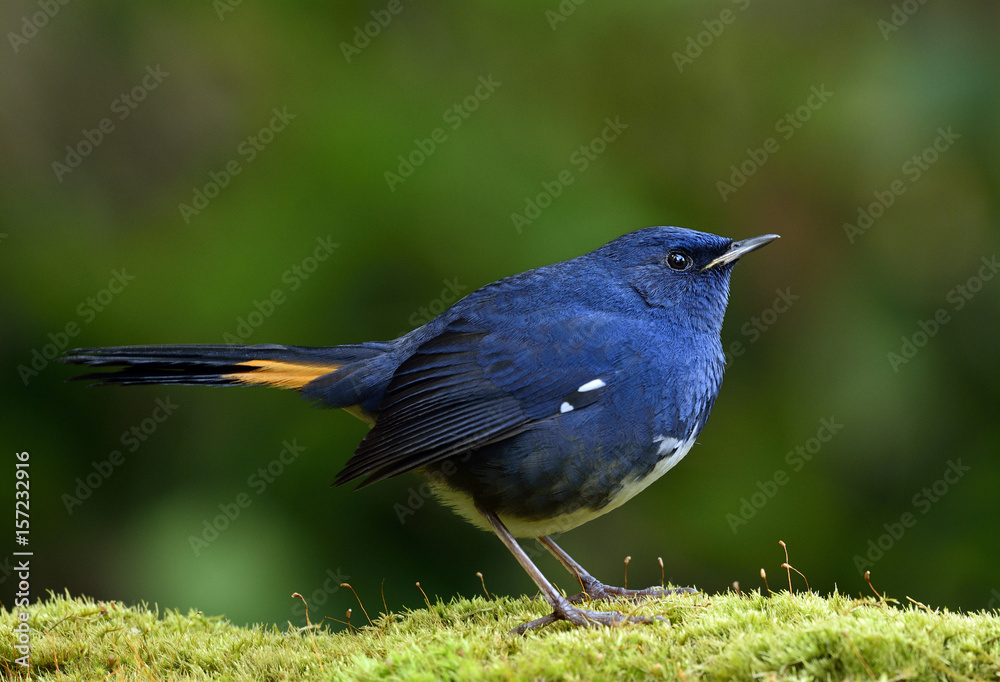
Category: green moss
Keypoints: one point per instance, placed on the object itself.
(724, 636)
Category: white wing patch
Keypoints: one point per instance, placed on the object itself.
(582, 396)
(591, 385)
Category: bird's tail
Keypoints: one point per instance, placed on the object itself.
(290, 367)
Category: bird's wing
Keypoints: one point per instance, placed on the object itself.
(467, 387)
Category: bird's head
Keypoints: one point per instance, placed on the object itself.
(680, 270)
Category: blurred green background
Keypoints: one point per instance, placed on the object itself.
(811, 112)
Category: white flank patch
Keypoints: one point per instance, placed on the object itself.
(591, 385)
(668, 444)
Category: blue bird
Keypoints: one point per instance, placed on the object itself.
(531, 406)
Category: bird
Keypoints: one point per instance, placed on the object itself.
(532, 405)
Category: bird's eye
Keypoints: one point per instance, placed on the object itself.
(679, 261)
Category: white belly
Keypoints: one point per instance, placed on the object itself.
(532, 528)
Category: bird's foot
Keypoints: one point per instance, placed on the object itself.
(563, 610)
(595, 590)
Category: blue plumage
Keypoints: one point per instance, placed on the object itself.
(533, 404)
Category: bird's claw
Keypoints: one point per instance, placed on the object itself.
(597, 591)
(584, 617)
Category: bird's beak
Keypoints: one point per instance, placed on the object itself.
(741, 248)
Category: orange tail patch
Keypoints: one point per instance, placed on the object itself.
(280, 374)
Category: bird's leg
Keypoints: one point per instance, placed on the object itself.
(594, 589)
(561, 608)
